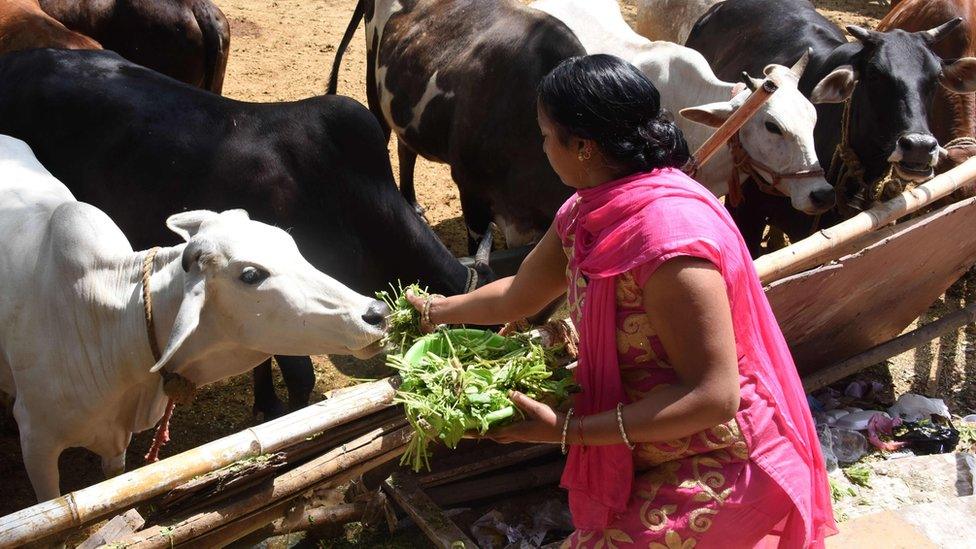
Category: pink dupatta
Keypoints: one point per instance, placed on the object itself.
(649, 218)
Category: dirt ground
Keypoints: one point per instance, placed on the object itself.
(282, 50)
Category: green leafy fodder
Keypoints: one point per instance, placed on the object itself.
(403, 321)
(456, 381)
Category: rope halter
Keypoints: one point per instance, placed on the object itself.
(846, 168)
(754, 169)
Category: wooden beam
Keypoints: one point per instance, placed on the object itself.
(823, 245)
(50, 518)
(501, 483)
(906, 342)
(497, 458)
(339, 465)
(405, 491)
(119, 527)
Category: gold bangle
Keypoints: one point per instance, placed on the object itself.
(620, 424)
(562, 445)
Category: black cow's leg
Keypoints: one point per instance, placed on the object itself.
(408, 160)
(299, 378)
(477, 217)
(751, 224)
(266, 402)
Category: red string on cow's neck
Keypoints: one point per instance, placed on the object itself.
(162, 433)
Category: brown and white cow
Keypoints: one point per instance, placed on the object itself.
(952, 115)
(456, 81)
(188, 40)
(24, 26)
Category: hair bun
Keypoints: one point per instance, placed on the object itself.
(608, 100)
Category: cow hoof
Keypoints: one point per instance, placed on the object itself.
(269, 410)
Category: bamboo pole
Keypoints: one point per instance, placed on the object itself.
(77, 508)
(734, 122)
(884, 351)
(312, 518)
(224, 535)
(338, 465)
(820, 247)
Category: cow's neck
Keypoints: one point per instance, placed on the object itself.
(166, 284)
(714, 174)
(125, 356)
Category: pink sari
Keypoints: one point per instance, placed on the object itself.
(642, 221)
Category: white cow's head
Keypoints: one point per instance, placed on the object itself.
(249, 293)
(779, 135)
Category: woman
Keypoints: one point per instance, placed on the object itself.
(692, 426)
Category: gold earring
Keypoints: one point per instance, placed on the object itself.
(584, 154)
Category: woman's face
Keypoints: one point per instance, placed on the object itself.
(563, 157)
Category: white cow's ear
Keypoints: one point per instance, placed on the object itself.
(712, 114)
(200, 251)
(187, 224)
(187, 318)
(960, 75)
(237, 214)
(836, 87)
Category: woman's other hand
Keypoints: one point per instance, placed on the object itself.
(541, 424)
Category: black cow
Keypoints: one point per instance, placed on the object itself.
(890, 77)
(456, 80)
(140, 146)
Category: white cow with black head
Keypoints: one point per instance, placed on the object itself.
(74, 348)
(780, 135)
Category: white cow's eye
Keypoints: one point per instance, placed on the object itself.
(771, 127)
(253, 275)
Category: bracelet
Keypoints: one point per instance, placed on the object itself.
(579, 430)
(562, 445)
(425, 313)
(620, 424)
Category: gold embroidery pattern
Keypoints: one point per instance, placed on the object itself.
(655, 453)
(629, 294)
(656, 519)
(709, 482)
(701, 519)
(635, 335)
(672, 540)
(666, 473)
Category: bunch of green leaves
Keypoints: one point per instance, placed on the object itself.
(461, 381)
(840, 489)
(403, 322)
(859, 474)
(967, 437)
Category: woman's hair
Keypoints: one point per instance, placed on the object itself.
(608, 100)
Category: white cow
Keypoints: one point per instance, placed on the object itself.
(780, 135)
(670, 20)
(74, 347)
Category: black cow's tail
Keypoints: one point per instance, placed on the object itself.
(216, 43)
(357, 16)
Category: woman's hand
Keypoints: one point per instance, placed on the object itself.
(418, 303)
(541, 424)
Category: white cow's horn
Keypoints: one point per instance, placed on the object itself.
(801, 63)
